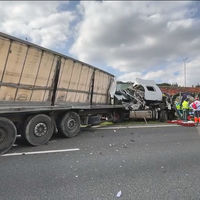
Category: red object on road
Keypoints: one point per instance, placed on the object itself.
(182, 123)
(172, 121)
(179, 122)
(188, 124)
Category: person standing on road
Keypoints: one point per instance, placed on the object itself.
(196, 108)
(178, 109)
(185, 107)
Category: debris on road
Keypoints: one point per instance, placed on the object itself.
(119, 194)
(182, 123)
(124, 146)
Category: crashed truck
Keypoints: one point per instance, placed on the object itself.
(43, 92)
(144, 99)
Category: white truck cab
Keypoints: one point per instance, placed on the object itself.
(151, 91)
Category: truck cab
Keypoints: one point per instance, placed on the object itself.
(151, 91)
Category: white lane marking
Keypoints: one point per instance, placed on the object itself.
(40, 152)
(146, 126)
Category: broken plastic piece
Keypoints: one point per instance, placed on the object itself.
(119, 194)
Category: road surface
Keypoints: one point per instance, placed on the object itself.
(133, 163)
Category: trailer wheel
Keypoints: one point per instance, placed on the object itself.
(8, 134)
(38, 130)
(70, 125)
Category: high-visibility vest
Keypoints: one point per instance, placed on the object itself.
(185, 105)
(178, 106)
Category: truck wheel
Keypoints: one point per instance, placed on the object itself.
(38, 130)
(163, 116)
(70, 125)
(154, 115)
(8, 133)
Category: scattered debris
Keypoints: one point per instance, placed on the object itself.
(131, 140)
(119, 194)
(124, 146)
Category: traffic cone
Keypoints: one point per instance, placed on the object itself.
(199, 119)
(195, 119)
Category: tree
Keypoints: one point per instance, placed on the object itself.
(164, 84)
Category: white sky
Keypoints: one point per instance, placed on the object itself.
(130, 39)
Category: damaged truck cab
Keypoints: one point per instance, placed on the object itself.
(143, 99)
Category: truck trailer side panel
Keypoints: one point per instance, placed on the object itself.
(28, 75)
(26, 72)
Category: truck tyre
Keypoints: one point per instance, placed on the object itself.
(163, 116)
(69, 125)
(8, 133)
(38, 130)
(153, 115)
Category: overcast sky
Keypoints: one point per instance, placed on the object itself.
(129, 39)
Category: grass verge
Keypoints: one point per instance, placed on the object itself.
(131, 123)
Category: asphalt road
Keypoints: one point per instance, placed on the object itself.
(142, 163)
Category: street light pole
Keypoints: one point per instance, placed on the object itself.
(184, 67)
(185, 73)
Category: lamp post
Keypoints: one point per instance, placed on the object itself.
(184, 69)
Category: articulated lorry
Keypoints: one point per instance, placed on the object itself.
(42, 91)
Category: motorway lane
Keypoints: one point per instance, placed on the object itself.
(144, 163)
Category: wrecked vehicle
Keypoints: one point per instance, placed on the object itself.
(144, 99)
